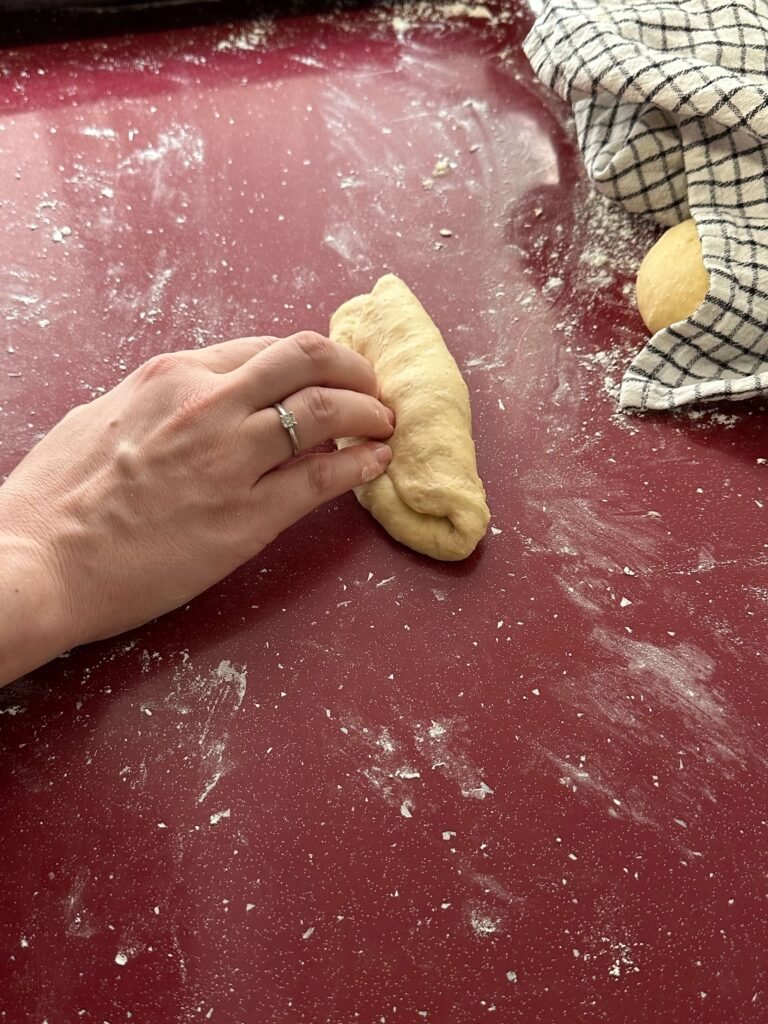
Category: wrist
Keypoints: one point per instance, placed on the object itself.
(34, 612)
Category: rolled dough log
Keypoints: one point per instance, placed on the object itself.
(430, 498)
(672, 281)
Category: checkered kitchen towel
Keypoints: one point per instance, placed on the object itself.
(670, 99)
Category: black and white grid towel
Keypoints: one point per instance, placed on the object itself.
(670, 99)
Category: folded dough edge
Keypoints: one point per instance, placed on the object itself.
(431, 497)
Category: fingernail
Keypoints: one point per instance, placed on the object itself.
(382, 456)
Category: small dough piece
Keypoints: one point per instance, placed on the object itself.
(672, 281)
(430, 497)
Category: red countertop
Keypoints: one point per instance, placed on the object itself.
(350, 784)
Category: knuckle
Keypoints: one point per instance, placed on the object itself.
(320, 475)
(163, 362)
(320, 404)
(160, 365)
(314, 346)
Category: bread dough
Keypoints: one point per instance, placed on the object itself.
(430, 497)
(672, 281)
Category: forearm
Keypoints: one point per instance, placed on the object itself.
(31, 615)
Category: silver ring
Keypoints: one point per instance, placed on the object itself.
(288, 421)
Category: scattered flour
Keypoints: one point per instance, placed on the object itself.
(482, 923)
(246, 37)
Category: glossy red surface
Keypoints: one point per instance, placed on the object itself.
(350, 784)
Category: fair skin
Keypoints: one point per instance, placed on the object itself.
(137, 502)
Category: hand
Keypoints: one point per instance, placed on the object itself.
(140, 500)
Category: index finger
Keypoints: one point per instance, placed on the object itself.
(301, 361)
(228, 355)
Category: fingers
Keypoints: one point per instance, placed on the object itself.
(298, 362)
(285, 495)
(229, 355)
(321, 414)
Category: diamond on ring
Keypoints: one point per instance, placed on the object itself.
(288, 420)
(289, 423)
